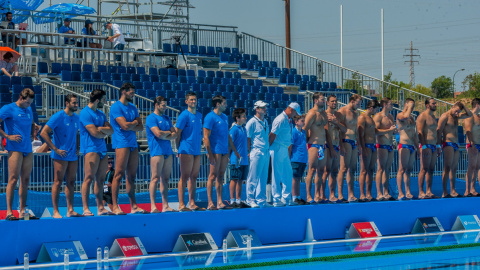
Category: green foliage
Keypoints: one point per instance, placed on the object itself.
(472, 81)
(442, 87)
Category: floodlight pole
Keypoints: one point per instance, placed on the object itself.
(382, 40)
(341, 35)
(287, 33)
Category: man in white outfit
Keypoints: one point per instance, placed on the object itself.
(257, 145)
(280, 139)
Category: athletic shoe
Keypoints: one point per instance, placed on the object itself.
(266, 205)
(299, 201)
(243, 205)
(234, 205)
(254, 205)
(278, 204)
(292, 203)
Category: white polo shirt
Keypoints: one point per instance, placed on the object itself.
(116, 29)
(257, 131)
(282, 127)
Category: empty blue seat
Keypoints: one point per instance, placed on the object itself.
(269, 72)
(191, 79)
(222, 88)
(101, 68)
(276, 72)
(240, 103)
(154, 78)
(76, 76)
(141, 70)
(167, 47)
(297, 79)
(185, 87)
(233, 81)
(172, 72)
(147, 85)
(325, 85)
(273, 64)
(185, 49)
(227, 50)
(310, 86)
(176, 86)
(279, 90)
(225, 81)
(204, 87)
(195, 87)
(106, 76)
(250, 82)
(66, 75)
(210, 73)
(219, 74)
(182, 79)
(202, 50)
(200, 80)
(152, 71)
(272, 89)
(56, 68)
(193, 50)
(258, 83)
(157, 86)
(122, 69)
(242, 82)
(244, 96)
(201, 73)
(210, 51)
(282, 79)
(125, 77)
(224, 57)
(166, 86)
(66, 66)
(112, 69)
(96, 75)
(243, 65)
(172, 79)
(218, 50)
(16, 80)
(306, 78)
(144, 78)
(207, 95)
(333, 85)
(86, 76)
(163, 71)
(138, 85)
(313, 78)
(163, 78)
(262, 72)
(42, 68)
(247, 89)
(77, 67)
(182, 72)
(212, 87)
(293, 71)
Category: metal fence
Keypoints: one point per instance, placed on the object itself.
(329, 72)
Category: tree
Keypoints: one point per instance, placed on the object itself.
(442, 87)
(354, 83)
(472, 81)
(422, 89)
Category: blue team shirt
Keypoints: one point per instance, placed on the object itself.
(239, 138)
(63, 29)
(191, 138)
(157, 146)
(123, 138)
(218, 124)
(89, 143)
(299, 146)
(18, 121)
(65, 129)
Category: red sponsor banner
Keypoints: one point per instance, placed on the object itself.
(366, 229)
(3, 214)
(129, 246)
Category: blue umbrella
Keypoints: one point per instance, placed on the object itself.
(60, 12)
(14, 6)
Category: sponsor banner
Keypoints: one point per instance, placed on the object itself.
(363, 230)
(195, 242)
(465, 223)
(239, 238)
(55, 251)
(127, 247)
(427, 225)
(367, 245)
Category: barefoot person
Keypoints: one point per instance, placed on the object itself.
(125, 122)
(258, 145)
(332, 164)
(315, 123)
(217, 140)
(407, 148)
(64, 125)
(348, 116)
(189, 143)
(19, 128)
(238, 167)
(160, 131)
(368, 149)
(384, 120)
(430, 148)
(280, 138)
(472, 127)
(448, 127)
(94, 127)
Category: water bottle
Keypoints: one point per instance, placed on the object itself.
(26, 261)
(128, 33)
(105, 254)
(26, 214)
(99, 254)
(224, 246)
(239, 160)
(66, 257)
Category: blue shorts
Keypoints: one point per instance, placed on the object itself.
(298, 169)
(239, 173)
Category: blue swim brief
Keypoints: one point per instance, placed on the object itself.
(371, 146)
(336, 147)
(385, 146)
(351, 142)
(320, 152)
(454, 145)
(407, 146)
(476, 146)
(431, 147)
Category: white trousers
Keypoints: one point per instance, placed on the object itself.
(282, 173)
(257, 176)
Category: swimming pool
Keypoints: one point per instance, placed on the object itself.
(448, 250)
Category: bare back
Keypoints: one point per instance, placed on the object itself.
(427, 124)
(350, 119)
(384, 121)
(315, 122)
(475, 121)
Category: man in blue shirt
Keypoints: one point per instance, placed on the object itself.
(19, 129)
(280, 138)
(66, 29)
(238, 166)
(159, 133)
(217, 139)
(125, 122)
(94, 127)
(298, 157)
(189, 142)
(64, 125)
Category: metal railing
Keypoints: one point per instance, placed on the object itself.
(328, 72)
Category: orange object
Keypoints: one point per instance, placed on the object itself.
(4, 50)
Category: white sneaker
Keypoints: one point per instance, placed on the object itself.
(266, 205)
(278, 204)
(283, 201)
(253, 205)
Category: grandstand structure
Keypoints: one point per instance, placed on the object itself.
(217, 60)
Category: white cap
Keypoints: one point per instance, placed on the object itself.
(296, 107)
(260, 104)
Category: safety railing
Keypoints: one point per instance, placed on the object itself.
(329, 72)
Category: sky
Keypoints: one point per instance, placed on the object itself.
(445, 32)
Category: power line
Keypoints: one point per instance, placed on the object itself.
(412, 62)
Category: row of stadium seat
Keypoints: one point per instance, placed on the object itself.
(196, 50)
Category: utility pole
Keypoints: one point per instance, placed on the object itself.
(412, 61)
(287, 33)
